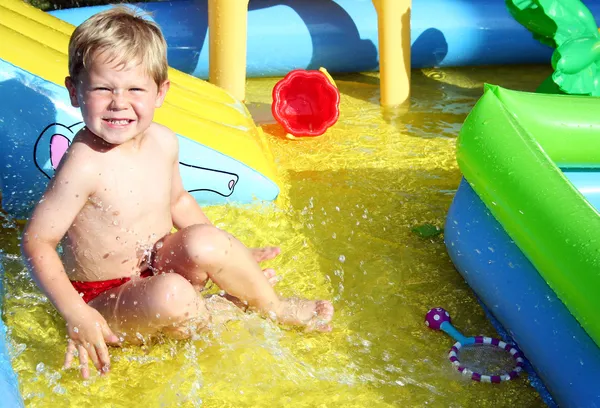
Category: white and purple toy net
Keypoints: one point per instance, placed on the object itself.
(483, 359)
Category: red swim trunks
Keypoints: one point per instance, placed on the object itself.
(90, 290)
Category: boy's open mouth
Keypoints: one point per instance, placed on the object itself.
(117, 122)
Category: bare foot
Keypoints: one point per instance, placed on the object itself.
(271, 276)
(314, 315)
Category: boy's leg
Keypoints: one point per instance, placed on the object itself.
(142, 308)
(202, 252)
(271, 276)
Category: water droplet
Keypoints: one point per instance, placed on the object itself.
(76, 329)
(342, 258)
(87, 253)
(59, 389)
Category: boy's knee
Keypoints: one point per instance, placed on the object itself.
(206, 244)
(175, 300)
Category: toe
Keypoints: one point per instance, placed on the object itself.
(269, 272)
(324, 309)
(271, 276)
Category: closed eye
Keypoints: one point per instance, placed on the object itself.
(101, 88)
(137, 89)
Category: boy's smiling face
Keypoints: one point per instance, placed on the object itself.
(117, 103)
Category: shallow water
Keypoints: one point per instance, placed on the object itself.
(353, 202)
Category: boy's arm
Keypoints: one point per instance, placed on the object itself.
(185, 210)
(65, 196)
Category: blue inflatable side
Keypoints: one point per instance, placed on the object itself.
(9, 387)
(563, 355)
(341, 35)
(532, 376)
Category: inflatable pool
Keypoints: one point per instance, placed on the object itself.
(341, 35)
(225, 157)
(524, 230)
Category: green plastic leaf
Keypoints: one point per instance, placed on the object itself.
(427, 231)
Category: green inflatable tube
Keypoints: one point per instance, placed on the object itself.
(511, 150)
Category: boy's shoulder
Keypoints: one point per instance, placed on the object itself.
(165, 136)
(82, 150)
(80, 162)
(158, 129)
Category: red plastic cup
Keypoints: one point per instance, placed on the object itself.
(306, 102)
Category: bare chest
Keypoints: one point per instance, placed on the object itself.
(132, 190)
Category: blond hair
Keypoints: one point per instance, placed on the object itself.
(125, 37)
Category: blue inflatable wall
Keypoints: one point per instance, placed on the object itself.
(563, 355)
(341, 35)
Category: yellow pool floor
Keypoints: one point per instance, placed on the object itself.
(353, 202)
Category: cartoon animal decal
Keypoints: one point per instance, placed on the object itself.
(55, 139)
(51, 146)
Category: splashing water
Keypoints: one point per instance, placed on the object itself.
(345, 221)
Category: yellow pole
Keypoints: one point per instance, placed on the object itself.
(393, 19)
(227, 32)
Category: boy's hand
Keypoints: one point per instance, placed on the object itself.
(88, 334)
(264, 254)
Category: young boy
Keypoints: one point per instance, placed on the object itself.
(115, 198)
